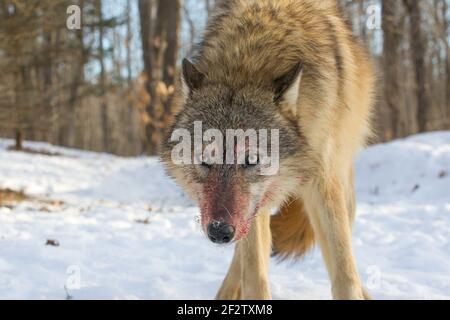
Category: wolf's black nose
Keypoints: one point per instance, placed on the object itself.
(220, 232)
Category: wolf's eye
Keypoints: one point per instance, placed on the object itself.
(251, 161)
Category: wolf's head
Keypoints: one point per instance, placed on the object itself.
(234, 150)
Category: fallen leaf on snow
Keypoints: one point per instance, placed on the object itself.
(52, 243)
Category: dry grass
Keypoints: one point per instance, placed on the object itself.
(35, 151)
(8, 196)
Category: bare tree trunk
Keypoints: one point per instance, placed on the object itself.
(129, 38)
(418, 48)
(172, 27)
(391, 51)
(75, 85)
(104, 105)
(128, 43)
(160, 53)
(28, 116)
(445, 14)
(145, 15)
(18, 112)
(48, 80)
(19, 140)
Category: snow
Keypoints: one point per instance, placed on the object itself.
(126, 231)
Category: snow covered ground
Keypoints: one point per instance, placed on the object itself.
(125, 231)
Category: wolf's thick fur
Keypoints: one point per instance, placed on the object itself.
(248, 45)
(292, 234)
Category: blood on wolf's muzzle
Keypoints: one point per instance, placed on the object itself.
(220, 232)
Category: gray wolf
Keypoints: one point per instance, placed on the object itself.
(294, 66)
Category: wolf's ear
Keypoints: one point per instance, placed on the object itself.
(286, 87)
(192, 78)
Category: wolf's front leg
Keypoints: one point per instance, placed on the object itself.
(231, 286)
(329, 216)
(255, 251)
(248, 275)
